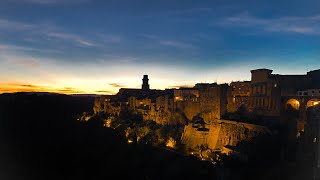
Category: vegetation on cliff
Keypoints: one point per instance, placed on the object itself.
(136, 130)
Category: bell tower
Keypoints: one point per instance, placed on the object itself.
(145, 83)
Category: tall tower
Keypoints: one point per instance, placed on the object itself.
(145, 83)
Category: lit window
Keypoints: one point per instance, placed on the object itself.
(314, 140)
(275, 85)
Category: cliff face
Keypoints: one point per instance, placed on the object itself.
(188, 108)
(220, 133)
(162, 116)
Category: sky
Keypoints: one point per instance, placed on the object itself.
(99, 46)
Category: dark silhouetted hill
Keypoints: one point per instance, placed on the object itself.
(41, 139)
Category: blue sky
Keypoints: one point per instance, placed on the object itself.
(95, 46)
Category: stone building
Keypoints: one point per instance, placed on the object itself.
(151, 104)
(285, 97)
(213, 101)
(238, 95)
(186, 94)
(187, 101)
(204, 99)
(240, 88)
(145, 83)
(309, 92)
(267, 91)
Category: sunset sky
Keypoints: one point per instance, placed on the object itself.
(99, 46)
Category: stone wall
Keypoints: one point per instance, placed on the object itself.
(188, 108)
(213, 101)
(220, 133)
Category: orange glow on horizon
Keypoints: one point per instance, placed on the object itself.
(19, 87)
(72, 85)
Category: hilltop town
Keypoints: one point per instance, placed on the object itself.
(217, 118)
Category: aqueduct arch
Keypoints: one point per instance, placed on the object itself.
(313, 102)
(294, 103)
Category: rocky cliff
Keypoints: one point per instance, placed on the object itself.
(219, 133)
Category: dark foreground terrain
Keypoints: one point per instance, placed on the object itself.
(40, 138)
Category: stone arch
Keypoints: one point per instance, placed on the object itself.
(313, 102)
(294, 103)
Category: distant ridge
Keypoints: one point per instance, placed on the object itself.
(52, 93)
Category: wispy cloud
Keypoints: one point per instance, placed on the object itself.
(68, 90)
(104, 92)
(178, 14)
(14, 25)
(21, 87)
(27, 62)
(169, 42)
(108, 38)
(116, 85)
(46, 2)
(9, 47)
(182, 86)
(71, 37)
(301, 25)
(188, 11)
(177, 44)
(47, 32)
(150, 36)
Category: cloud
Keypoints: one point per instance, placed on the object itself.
(176, 44)
(302, 25)
(191, 10)
(150, 36)
(71, 37)
(15, 48)
(169, 43)
(25, 62)
(47, 2)
(14, 25)
(20, 87)
(116, 85)
(47, 32)
(29, 86)
(108, 38)
(179, 14)
(181, 86)
(104, 91)
(69, 90)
